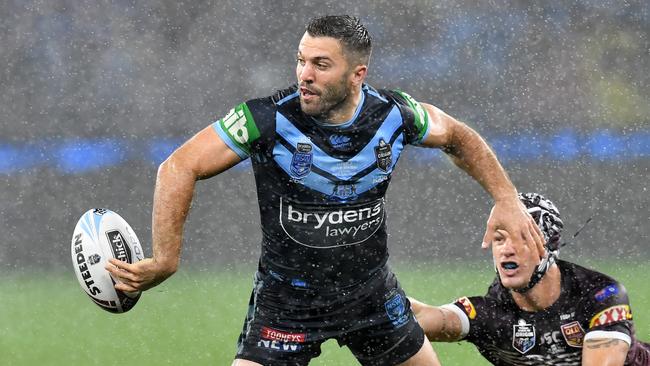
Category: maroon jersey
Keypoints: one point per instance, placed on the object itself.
(591, 305)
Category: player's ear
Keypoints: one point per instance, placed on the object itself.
(358, 75)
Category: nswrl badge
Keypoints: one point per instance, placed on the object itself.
(384, 155)
(301, 160)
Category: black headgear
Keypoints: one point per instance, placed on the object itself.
(547, 217)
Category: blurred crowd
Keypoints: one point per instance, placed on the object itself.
(131, 69)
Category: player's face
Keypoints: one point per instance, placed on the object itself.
(515, 261)
(324, 75)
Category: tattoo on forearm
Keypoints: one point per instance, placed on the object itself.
(601, 343)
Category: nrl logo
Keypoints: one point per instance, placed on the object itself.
(523, 336)
(384, 155)
(301, 160)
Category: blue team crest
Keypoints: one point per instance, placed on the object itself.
(301, 160)
(523, 336)
(396, 310)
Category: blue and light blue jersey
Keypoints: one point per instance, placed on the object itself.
(321, 187)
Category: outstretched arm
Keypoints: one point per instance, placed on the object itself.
(472, 154)
(203, 156)
(604, 352)
(438, 323)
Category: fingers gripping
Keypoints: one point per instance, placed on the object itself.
(126, 275)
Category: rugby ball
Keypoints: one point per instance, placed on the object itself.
(102, 234)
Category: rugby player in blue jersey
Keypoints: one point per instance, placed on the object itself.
(323, 152)
(541, 310)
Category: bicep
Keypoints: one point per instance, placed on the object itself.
(204, 155)
(604, 351)
(442, 128)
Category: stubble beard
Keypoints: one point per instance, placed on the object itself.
(330, 100)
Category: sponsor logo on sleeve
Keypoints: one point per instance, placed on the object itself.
(421, 116)
(240, 126)
(383, 155)
(573, 334)
(301, 161)
(468, 307)
(611, 315)
(523, 336)
(606, 293)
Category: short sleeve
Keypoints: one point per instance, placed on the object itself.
(238, 130)
(609, 313)
(416, 118)
(472, 315)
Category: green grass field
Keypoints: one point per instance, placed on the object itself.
(195, 317)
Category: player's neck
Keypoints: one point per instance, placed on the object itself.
(543, 294)
(346, 110)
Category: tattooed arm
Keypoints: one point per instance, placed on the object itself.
(604, 352)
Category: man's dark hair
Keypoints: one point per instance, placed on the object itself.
(348, 30)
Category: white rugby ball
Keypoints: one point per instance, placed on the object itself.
(102, 234)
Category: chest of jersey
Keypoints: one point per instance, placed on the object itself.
(339, 163)
(549, 338)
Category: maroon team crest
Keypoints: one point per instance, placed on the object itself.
(573, 334)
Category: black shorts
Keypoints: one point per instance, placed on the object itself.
(287, 325)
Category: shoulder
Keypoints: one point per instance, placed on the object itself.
(416, 118)
(605, 302)
(273, 101)
(478, 308)
(479, 315)
(588, 282)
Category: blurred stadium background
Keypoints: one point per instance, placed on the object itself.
(96, 94)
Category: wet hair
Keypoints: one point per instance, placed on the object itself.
(346, 29)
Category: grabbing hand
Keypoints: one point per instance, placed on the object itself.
(511, 216)
(138, 276)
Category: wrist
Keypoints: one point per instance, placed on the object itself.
(166, 266)
(510, 197)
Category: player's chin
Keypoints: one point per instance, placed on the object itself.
(513, 282)
(311, 107)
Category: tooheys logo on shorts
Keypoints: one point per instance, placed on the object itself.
(324, 227)
(119, 246)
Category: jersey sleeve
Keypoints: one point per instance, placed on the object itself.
(609, 312)
(416, 118)
(473, 315)
(238, 130)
